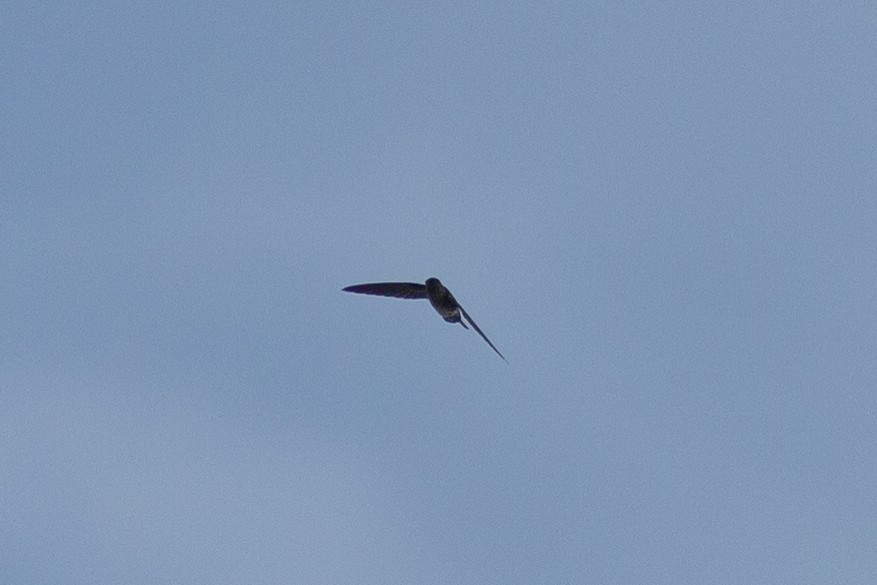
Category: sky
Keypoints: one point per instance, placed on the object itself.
(662, 214)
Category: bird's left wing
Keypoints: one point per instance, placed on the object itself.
(399, 290)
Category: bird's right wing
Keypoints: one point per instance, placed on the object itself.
(481, 333)
(399, 290)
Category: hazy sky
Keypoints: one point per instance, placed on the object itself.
(663, 214)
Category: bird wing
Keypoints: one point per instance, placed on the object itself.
(481, 333)
(399, 290)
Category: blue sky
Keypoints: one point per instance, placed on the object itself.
(662, 214)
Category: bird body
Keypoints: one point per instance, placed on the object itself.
(443, 301)
(439, 297)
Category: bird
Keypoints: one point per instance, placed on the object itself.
(439, 297)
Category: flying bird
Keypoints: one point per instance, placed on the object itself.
(439, 297)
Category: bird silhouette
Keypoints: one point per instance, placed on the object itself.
(439, 297)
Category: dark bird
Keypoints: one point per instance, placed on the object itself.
(439, 297)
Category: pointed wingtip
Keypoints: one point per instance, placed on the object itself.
(481, 333)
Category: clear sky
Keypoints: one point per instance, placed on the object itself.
(662, 213)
